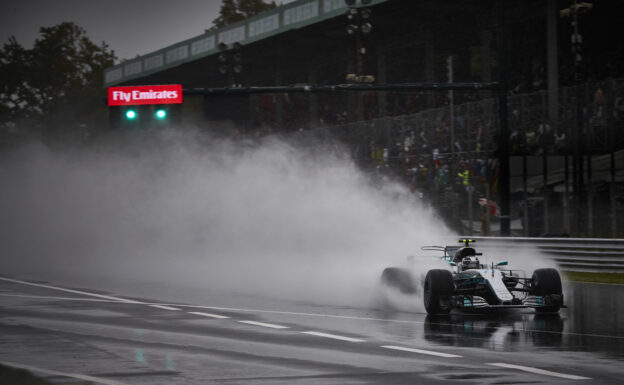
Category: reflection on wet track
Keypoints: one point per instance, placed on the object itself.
(496, 332)
(592, 323)
(186, 339)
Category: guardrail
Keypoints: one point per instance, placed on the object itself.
(572, 254)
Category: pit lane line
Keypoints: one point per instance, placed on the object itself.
(318, 334)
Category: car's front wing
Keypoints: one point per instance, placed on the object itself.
(473, 302)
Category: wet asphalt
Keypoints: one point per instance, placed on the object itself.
(192, 337)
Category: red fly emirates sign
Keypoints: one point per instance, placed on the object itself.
(135, 95)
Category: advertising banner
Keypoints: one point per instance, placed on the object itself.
(137, 95)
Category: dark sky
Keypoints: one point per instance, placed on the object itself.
(130, 27)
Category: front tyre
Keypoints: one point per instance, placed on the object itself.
(547, 283)
(439, 288)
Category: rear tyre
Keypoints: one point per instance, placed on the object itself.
(547, 282)
(398, 279)
(438, 290)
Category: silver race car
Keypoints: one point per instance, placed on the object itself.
(476, 287)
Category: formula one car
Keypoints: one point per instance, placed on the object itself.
(476, 287)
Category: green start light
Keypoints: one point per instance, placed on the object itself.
(130, 114)
(161, 114)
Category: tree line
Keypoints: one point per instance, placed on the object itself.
(57, 86)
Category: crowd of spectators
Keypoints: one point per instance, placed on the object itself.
(417, 148)
(413, 143)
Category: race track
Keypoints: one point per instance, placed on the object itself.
(165, 335)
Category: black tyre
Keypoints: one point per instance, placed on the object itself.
(399, 279)
(546, 282)
(438, 290)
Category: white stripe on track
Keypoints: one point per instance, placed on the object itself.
(334, 336)
(64, 374)
(209, 315)
(539, 371)
(420, 351)
(70, 290)
(386, 320)
(57, 298)
(272, 326)
(164, 307)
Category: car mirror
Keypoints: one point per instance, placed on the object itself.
(452, 263)
(503, 263)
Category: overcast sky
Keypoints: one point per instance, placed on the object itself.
(130, 27)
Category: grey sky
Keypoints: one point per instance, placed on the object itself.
(130, 27)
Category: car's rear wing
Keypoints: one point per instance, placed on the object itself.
(449, 251)
(429, 248)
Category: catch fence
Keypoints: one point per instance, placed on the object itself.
(417, 148)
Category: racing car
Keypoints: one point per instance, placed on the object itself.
(476, 287)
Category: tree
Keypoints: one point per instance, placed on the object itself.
(59, 80)
(233, 11)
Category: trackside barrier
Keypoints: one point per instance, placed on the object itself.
(572, 254)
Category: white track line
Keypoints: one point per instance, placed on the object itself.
(334, 336)
(70, 290)
(57, 298)
(386, 320)
(419, 351)
(272, 326)
(63, 374)
(164, 307)
(209, 315)
(539, 371)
